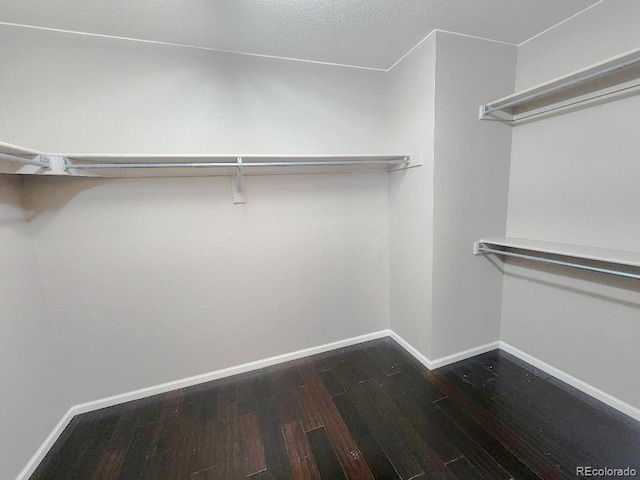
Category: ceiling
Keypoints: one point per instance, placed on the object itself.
(366, 33)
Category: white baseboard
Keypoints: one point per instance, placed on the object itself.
(442, 361)
(225, 372)
(28, 470)
(590, 390)
(456, 357)
(411, 349)
(33, 463)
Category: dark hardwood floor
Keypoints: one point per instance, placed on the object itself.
(368, 411)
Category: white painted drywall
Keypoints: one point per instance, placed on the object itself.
(31, 387)
(375, 33)
(153, 280)
(471, 181)
(67, 92)
(601, 32)
(574, 179)
(410, 97)
(4, 125)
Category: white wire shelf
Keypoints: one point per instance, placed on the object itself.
(614, 77)
(109, 165)
(19, 160)
(622, 263)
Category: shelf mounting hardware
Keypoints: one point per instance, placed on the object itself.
(237, 184)
(39, 160)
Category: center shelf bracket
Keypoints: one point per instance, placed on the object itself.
(237, 184)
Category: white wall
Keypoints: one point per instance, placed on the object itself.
(444, 300)
(471, 181)
(574, 179)
(4, 126)
(76, 93)
(153, 280)
(410, 98)
(34, 397)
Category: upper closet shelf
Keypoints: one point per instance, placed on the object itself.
(617, 76)
(156, 165)
(622, 263)
(22, 160)
(19, 160)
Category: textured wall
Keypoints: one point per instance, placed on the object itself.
(471, 181)
(411, 122)
(153, 280)
(374, 33)
(34, 397)
(574, 179)
(4, 125)
(83, 94)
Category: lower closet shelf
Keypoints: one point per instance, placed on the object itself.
(622, 263)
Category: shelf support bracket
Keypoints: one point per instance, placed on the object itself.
(237, 187)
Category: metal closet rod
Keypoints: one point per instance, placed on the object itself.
(569, 83)
(523, 118)
(43, 163)
(324, 163)
(484, 249)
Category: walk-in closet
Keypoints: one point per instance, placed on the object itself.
(272, 239)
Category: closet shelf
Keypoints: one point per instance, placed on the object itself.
(20, 156)
(547, 252)
(616, 76)
(19, 160)
(226, 164)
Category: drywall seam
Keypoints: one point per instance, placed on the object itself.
(182, 45)
(560, 23)
(590, 390)
(33, 463)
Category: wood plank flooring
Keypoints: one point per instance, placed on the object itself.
(362, 412)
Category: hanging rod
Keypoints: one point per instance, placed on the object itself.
(569, 105)
(620, 70)
(562, 86)
(325, 163)
(483, 249)
(42, 162)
